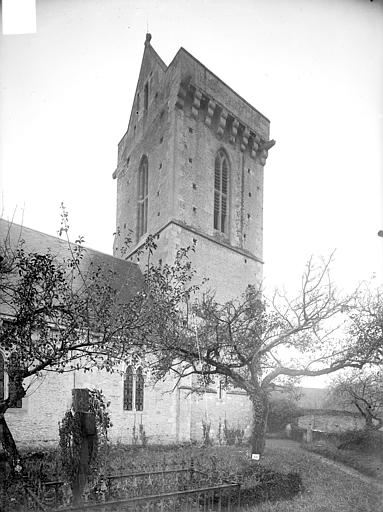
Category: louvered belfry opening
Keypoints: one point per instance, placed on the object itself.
(142, 202)
(221, 176)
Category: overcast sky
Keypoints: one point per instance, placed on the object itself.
(314, 68)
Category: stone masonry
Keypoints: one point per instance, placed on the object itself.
(190, 115)
(181, 117)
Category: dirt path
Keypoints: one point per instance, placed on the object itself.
(287, 444)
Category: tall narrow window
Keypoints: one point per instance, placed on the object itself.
(142, 202)
(139, 390)
(134, 386)
(221, 177)
(146, 96)
(128, 389)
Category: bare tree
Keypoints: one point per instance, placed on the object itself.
(362, 390)
(62, 312)
(257, 344)
(367, 325)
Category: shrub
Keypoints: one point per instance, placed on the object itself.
(271, 486)
(365, 440)
(232, 435)
(142, 434)
(261, 484)
(297, 433)
(282, 411)
(349, 458)
(207, 441)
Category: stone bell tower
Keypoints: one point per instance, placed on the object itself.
(190, 168)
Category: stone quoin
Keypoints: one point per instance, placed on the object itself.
(190, 169)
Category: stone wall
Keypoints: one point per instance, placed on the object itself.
(331, 423)
(45, 404)
(233, 407)
(50, 397)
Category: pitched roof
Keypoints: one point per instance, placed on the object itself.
(125, 276)
(188, 66)
(224, 84)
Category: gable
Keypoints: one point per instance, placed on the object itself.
(150, 79)
(164, 86)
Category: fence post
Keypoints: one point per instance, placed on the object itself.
(81, 405)
(191, 469)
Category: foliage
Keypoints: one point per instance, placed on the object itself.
(70, 436)
(64, 313)
(220, 433)
(282, 412)
(368, 441)
(206, 425)
(297, 433)
(142, 434)
(232, 435)
(362, 390)
(349, 458)
(256, 344)
(68, 312)
(100, 408)
(134, 435)
(367, 325)
(325, 487)
(262, 484)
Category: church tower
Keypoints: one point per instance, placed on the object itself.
(190, 168)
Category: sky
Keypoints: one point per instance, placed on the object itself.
(313, 68)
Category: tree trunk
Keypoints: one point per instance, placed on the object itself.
(370, 425)
(16, 393)
(260, 403)
(9, 445)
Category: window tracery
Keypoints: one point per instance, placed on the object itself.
(134, 386)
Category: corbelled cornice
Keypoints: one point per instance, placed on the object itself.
(225, 122)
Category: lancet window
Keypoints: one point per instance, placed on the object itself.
(134, 386)
(221, 191)
(142, 201)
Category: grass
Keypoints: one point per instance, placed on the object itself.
(368, 464)
(326, 488)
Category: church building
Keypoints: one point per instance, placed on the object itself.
(190, 169)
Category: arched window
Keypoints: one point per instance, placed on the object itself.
(128, 389)
(134, 385)
(221, 178)
(139, 390)
(142, 202)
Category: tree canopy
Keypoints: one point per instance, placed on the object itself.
(258, 344)
(63, 307)
(361, 390)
